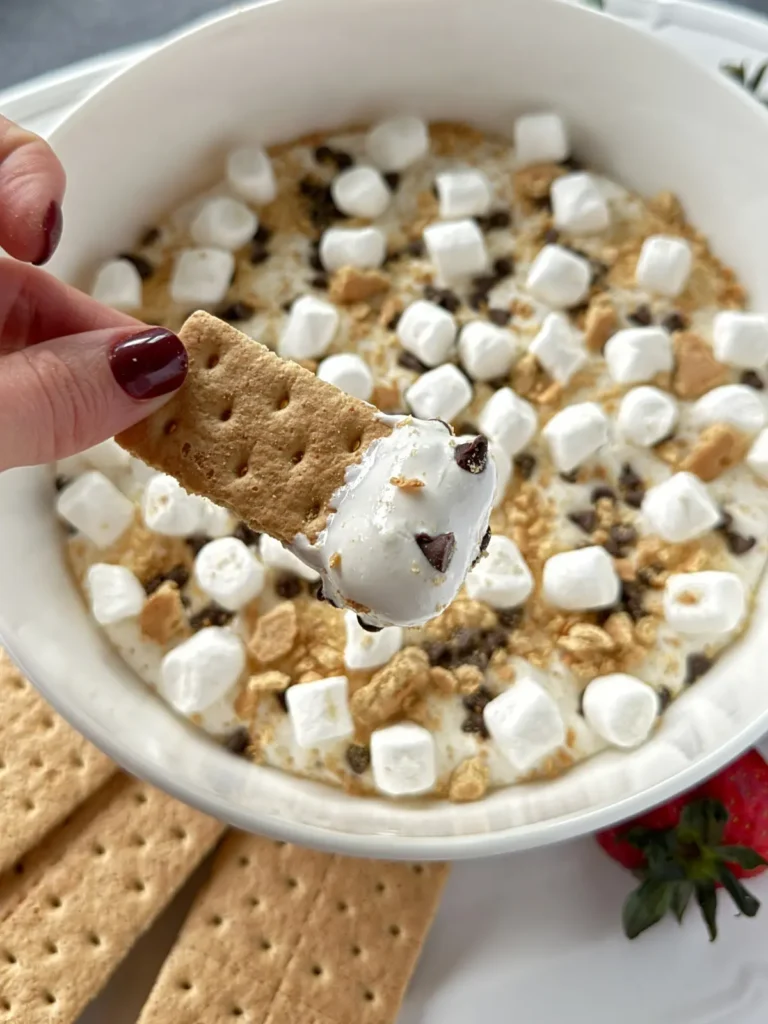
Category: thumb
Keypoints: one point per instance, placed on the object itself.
(60, 397)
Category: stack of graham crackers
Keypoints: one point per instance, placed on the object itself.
(89, 857)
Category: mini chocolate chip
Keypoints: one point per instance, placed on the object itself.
(572, 477)
(484, 282)
(244, 533)
(551, 236)
(237, 742)
(665, 698)
(179, 575)
(674, 321)
(642, 316)
(282, 700)
(143, 266)
(474, 722)
(438, 652)
(449, 300)
(696, 665)
(196, 542)
(525, 464)
(263, 234)
(634, 497)
(585, 520)
(61, 482)
(494, 639)
(509, 618)
(358, 757)
(259, 254)
(599, 270)
(632, 600)
(498, 219)
(323, 154)
(410, 362)
(479, 658)
(477, 300)
(150, 236)
(602, 491)
(631, 486)
(368, 626)
(477, 699)
(649, 574)
(726, 520)
(286, 306)
(752, 379)
(212, 615)
(465, 641)
(236, 311)
(319, 281)
(503, 267)
(415, 247)
(287, 586)
(437, 550)
(624, 534)
(392, 179)
(472, 456)
(315, 262)
(737, 543)
(571, 163)
(500, 317)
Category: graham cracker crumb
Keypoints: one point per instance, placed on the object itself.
(387, 397)
(275, 634)
(600, 323)
(688, 598)
(390, 308)
(162, 618)
(406, 676)
(351, 285)
(145, 553)
(532, 184)
(584, 639)
(696, 369)
(442, 680)
(469, 781)
(468, 677)
(258, 686)
(406, 483)
(719, 448)
(335, 560)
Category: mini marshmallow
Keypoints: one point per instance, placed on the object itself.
(397, 143)
(578, 205)
(403, 760)
(439, 394)
(364, 248)
(95, 507)
(349, 373)
(486, 351)
(198, 672)
(229, 572)
(509, 420)
(621, 709)
(364, 649)
(310, 329)
(558, 348)
(737, 404)
(108, 457)
(740, 339)
(559, 277)
(757, 456)
(457, 249)
(503, 464)
(224, 223)
(463, 193)
(540, 139)
(427, 331)
(118, 284)
(249, 172)
(680, 509)
(646, 416)
(704, 603)
(664, 265)
(277, 557)
(201, 276)
(525, 723)
(115, 593)
(361, 192)
(215, 521)
(319, 711)
(580, 580)
(501, 578)
(575, 433)
(168, 509)
(637, 354)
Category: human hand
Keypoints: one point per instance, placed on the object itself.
(72, 372)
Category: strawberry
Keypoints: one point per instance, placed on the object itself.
(690, 847)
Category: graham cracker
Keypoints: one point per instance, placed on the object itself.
(46, 768)
(280, 935)
(87, 893)
(258, 434)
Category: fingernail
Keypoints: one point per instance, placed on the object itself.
(53, 222)
(149, 364)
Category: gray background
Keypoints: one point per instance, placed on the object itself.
(39, 35)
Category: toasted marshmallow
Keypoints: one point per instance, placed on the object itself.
(680, 509)
(509, 420)
(115, 593)
(201, 276)
(349, 373)
(361, 192)
(311, 327)
(440, 394)
(704, 603)
(95, 507)
(224, 222)
(637, 354)
(229, 572)
(621, 709)
(646, 416)
(364, 248)
(198, 672)
(403, 760)
(540, 139)
(525, 723)
(249, 172)
(503, 464)
(168, 509)
(575, 433)
(364, 649)
(578, 205)
(319, 711)
(740, 339)
(559, 277)
(457, 249)
(118, 284)
(108, 457)
(664, 265)
(558, 348)
(580, 580)
(427, 331)
(277, 557)
(757, 456)
(737, 404)
(463, 193)
(397, 143)
(501, 578)
(486, 351)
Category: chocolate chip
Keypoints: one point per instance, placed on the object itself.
(737, 543)
(444, 297)
(61, 482)
(236, 311)
(624, 534)
(586, 520)
(632, 600)
(335, 157)
(495, 220)
(572, 477)
(479, 658)
(602, 491)
(415, 247)
(477, 300)
(472, 456)
(509, 618)
(212, 615)
(752, 379)
(674, 321)
(665, 698)
(726, 520)
(263, 234)
(500, 317)
(287, 586)
(282, 700)
(410, 362)
(494, 639)
(259, 253)
(315, 262)
(150, 236)
(525, 464)
(572, 164)
(503, 267)
(368, 626)
(179, 575)
(475, 723)
(634, 497)
(631, 486)
(319, 281)
(642, 316)
(196, 542)
(649, 574)
(551, 236)
(392, 179)
(439, 653)
(483, 283)
(143, 266)
(322, 209)
(237, 742)
(465, 641)
(477, 699)
(437, 550)
(358, 757)
(323, 154)
(696, 665)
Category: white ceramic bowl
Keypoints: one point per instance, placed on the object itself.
(158, 131)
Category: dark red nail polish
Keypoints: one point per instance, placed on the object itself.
(53, 222)
(149, 364)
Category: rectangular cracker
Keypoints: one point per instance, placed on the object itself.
(88, 893)
(258, 434)
(46, 768)
(272, 916)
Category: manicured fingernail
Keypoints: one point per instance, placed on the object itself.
(149, 364)
(53, 222)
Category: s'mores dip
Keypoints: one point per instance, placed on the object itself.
(527, 315)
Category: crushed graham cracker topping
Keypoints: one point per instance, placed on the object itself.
(163, 617)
